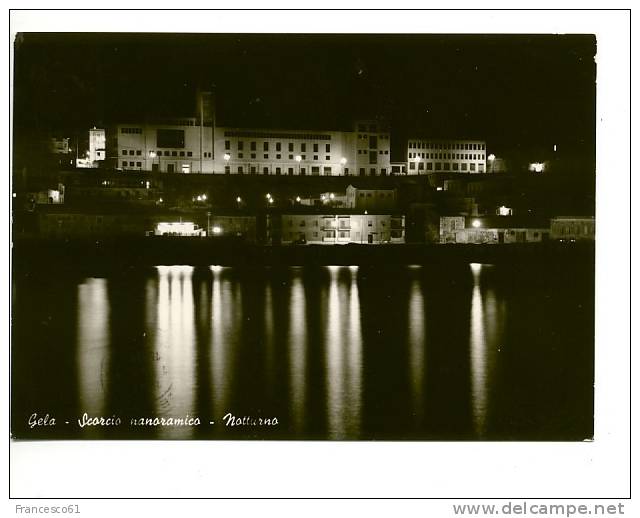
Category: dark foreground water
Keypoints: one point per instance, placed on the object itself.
(458, 352)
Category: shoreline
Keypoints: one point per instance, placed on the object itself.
(140, 252)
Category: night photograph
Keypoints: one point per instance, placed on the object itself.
(311, 262)
(327, 237)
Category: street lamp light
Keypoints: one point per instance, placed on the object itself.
(152, 156)
(476, 223)
(226, 157)
(298, 159)
(491, 159)
(343, 162)
(417, 159)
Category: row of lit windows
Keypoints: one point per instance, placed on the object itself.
(444, 167)
(131, 131)
(449, 156)
(302, 171)
(446, 145)
(381, 152)
(344, 223)
(365, 137)
(279, 157)
(138, 152)
(265, 146)
(283, 136)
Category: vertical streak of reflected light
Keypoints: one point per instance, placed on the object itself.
(353, 400)
(269, 340)
(297, 354)
(225, 324)
(174, 354)
(416, 349)
(93, 346)
(478, 356)
(335, 362)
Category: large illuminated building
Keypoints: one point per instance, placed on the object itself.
(426, 156)
(198, 145)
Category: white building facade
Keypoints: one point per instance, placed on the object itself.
(342, 228)
(172, 146)
(365, 151)
(97, 145)
(425, 156)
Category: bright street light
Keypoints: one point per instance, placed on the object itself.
(476, 223)
(298, 158)
(238, 199)
(343, 161)
(227, 157)
(298, 199)
(491, 157)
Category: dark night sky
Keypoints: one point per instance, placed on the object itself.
(517, 92)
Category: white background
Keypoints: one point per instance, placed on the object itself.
(598, 469)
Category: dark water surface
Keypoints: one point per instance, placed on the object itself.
(404, 352)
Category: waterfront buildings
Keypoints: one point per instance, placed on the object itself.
(341, 228)
(492, 230)
(573, 228)
(367, 199)
(425, 156)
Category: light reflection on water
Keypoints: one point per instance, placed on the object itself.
(334, 352)
(297, 353)
(174, 348)
(92, 355)
(485, 337)
(416, 349)
(343, 346)
(224, 324)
